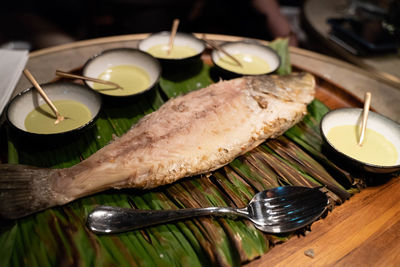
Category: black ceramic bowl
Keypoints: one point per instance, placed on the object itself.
(250, 49)
(22, 104)
(352, 116)
(181, 39)
(147, 64)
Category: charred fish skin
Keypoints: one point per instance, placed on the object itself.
(192, 134)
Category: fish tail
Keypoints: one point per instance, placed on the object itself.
(24, 190)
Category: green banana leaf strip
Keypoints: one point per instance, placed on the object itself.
(8, 239)
(174, 83)
(12, 152)
(254, 243)
(293, 174)
(307, 136)
(158, 239)
(287, 173)
(315, 112)
(164, 202)
(255, 179)
(135, 244)
(196, 195)
(280, 45)
(245, 238)
(297, 157)
(163, 234)
(248, 241)
(234, 186)
(240, 193)
(254, 161)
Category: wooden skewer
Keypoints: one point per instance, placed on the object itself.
(367, 102)
(172, 36)
(28, 75)
(75, 76)
(215, 46)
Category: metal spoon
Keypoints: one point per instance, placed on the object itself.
(278, 210)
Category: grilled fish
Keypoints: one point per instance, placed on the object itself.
(191, 134)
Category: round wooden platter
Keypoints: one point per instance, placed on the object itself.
(363, 230)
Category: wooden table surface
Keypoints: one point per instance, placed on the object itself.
(316, 12)
(363, 231)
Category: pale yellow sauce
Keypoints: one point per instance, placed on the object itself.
(41, 119)
(375, 149)
(177, 51)
(132, 79)
(250, 64)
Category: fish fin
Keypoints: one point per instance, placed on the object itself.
(24, 190)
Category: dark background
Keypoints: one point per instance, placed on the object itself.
(46, 23)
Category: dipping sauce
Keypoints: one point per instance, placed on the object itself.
(250, 64)
(41, 119)
(375, 149)
(132, 79)
(177, 51)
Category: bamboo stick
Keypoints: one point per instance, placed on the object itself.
(30, 77)
(75, 76)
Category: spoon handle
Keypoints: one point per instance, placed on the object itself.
(106, 219)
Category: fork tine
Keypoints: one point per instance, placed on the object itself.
(282, 201)
(299, 217)
(286, 210)
(295, 210)
(297, 221)
(290, 195)
(294, 218)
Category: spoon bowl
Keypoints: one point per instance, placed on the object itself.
(278, 210)
(286, 209)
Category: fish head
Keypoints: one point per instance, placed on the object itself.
(296, 87)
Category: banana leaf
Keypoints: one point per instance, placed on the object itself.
(58, 236)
